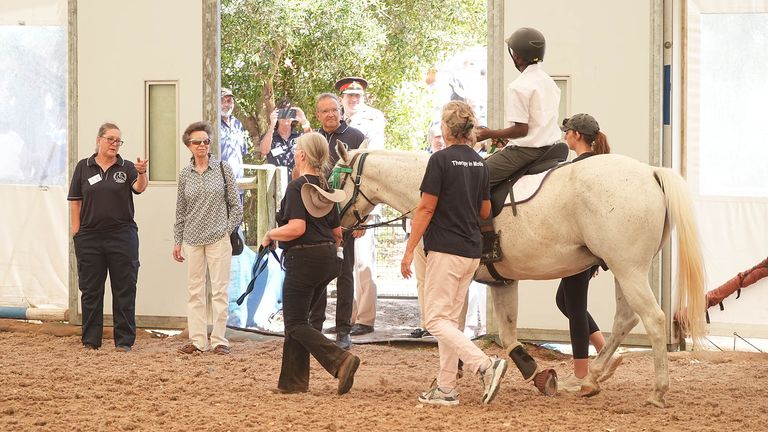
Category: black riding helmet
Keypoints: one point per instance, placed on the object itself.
(528, 43)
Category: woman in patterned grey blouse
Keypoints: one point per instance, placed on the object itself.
(202, 232)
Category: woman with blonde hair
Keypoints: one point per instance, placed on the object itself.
(309, 233)
(455, 195)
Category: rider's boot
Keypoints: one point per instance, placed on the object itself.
(545, 380)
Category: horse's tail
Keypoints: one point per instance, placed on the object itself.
(690, 268)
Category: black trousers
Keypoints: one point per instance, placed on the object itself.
(345, 292)
(307, 272)
(116, 252)
(571, 299)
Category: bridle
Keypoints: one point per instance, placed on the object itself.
(339, 176)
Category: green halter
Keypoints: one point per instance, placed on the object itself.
(336, 181)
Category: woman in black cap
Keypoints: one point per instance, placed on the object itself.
(583, 135)
(309, 233)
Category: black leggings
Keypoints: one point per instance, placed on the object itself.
(571, 299)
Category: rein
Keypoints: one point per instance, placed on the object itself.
(338, 182)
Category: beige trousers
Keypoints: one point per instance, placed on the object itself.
(445, 293)
(216, 258)
(420, 268)
(364, 305)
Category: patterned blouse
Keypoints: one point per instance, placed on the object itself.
(201, 211)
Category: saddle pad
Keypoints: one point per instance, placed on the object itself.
(526, 187)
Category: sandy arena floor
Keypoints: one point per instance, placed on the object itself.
(49, 383)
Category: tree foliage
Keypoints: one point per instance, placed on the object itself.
(274, 49)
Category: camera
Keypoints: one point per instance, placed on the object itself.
(286, 113)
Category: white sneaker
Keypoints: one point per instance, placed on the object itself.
(436, 396)
(570, 384)
(491, 378)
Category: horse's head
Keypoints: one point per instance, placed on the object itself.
(347, 175)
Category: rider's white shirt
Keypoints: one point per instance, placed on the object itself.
(534, 98)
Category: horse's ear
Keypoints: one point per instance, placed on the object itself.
(363, 145)
(341, 149)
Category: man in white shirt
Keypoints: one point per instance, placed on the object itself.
(533, 101)
(371, 122)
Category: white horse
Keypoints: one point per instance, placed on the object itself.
(607, 208)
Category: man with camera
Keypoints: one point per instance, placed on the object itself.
(370, 122)
(278, 145)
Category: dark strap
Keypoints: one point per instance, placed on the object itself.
(258, 268)
(226, 201)
(495, 274)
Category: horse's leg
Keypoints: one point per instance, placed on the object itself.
(638, 295)
(624, 321)
(505, 308)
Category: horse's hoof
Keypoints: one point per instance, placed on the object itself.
(546, 382)
(610, 367)
(656, 402)
(589, 391)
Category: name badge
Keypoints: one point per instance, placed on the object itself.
(277, 151)
(95, 179)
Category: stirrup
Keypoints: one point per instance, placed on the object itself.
(491, 248)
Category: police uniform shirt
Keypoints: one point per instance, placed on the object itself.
(107, 196)
(459, 178)
(534, 98)
(370, 122)
(318, 230)
(348, 135)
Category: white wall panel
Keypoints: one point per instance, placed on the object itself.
(120, 45)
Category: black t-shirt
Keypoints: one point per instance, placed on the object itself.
(348, 135)
(319, 230)
(459, 178)
(107, 196)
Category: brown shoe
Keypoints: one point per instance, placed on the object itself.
(221, 350)
(189, 348)
(346, 373)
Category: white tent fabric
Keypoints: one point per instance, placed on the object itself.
(34, 231)
(726, 154)
(33, 246)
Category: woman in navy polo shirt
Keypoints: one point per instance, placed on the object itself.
(106, 237)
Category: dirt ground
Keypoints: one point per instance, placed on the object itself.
(49, 383)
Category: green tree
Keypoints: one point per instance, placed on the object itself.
(273, 49)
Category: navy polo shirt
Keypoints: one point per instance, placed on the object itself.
(107, 196)
(347, 134)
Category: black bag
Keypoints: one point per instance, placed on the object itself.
(237, 242)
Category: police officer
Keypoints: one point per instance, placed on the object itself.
(370, 122)
(106, 237)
